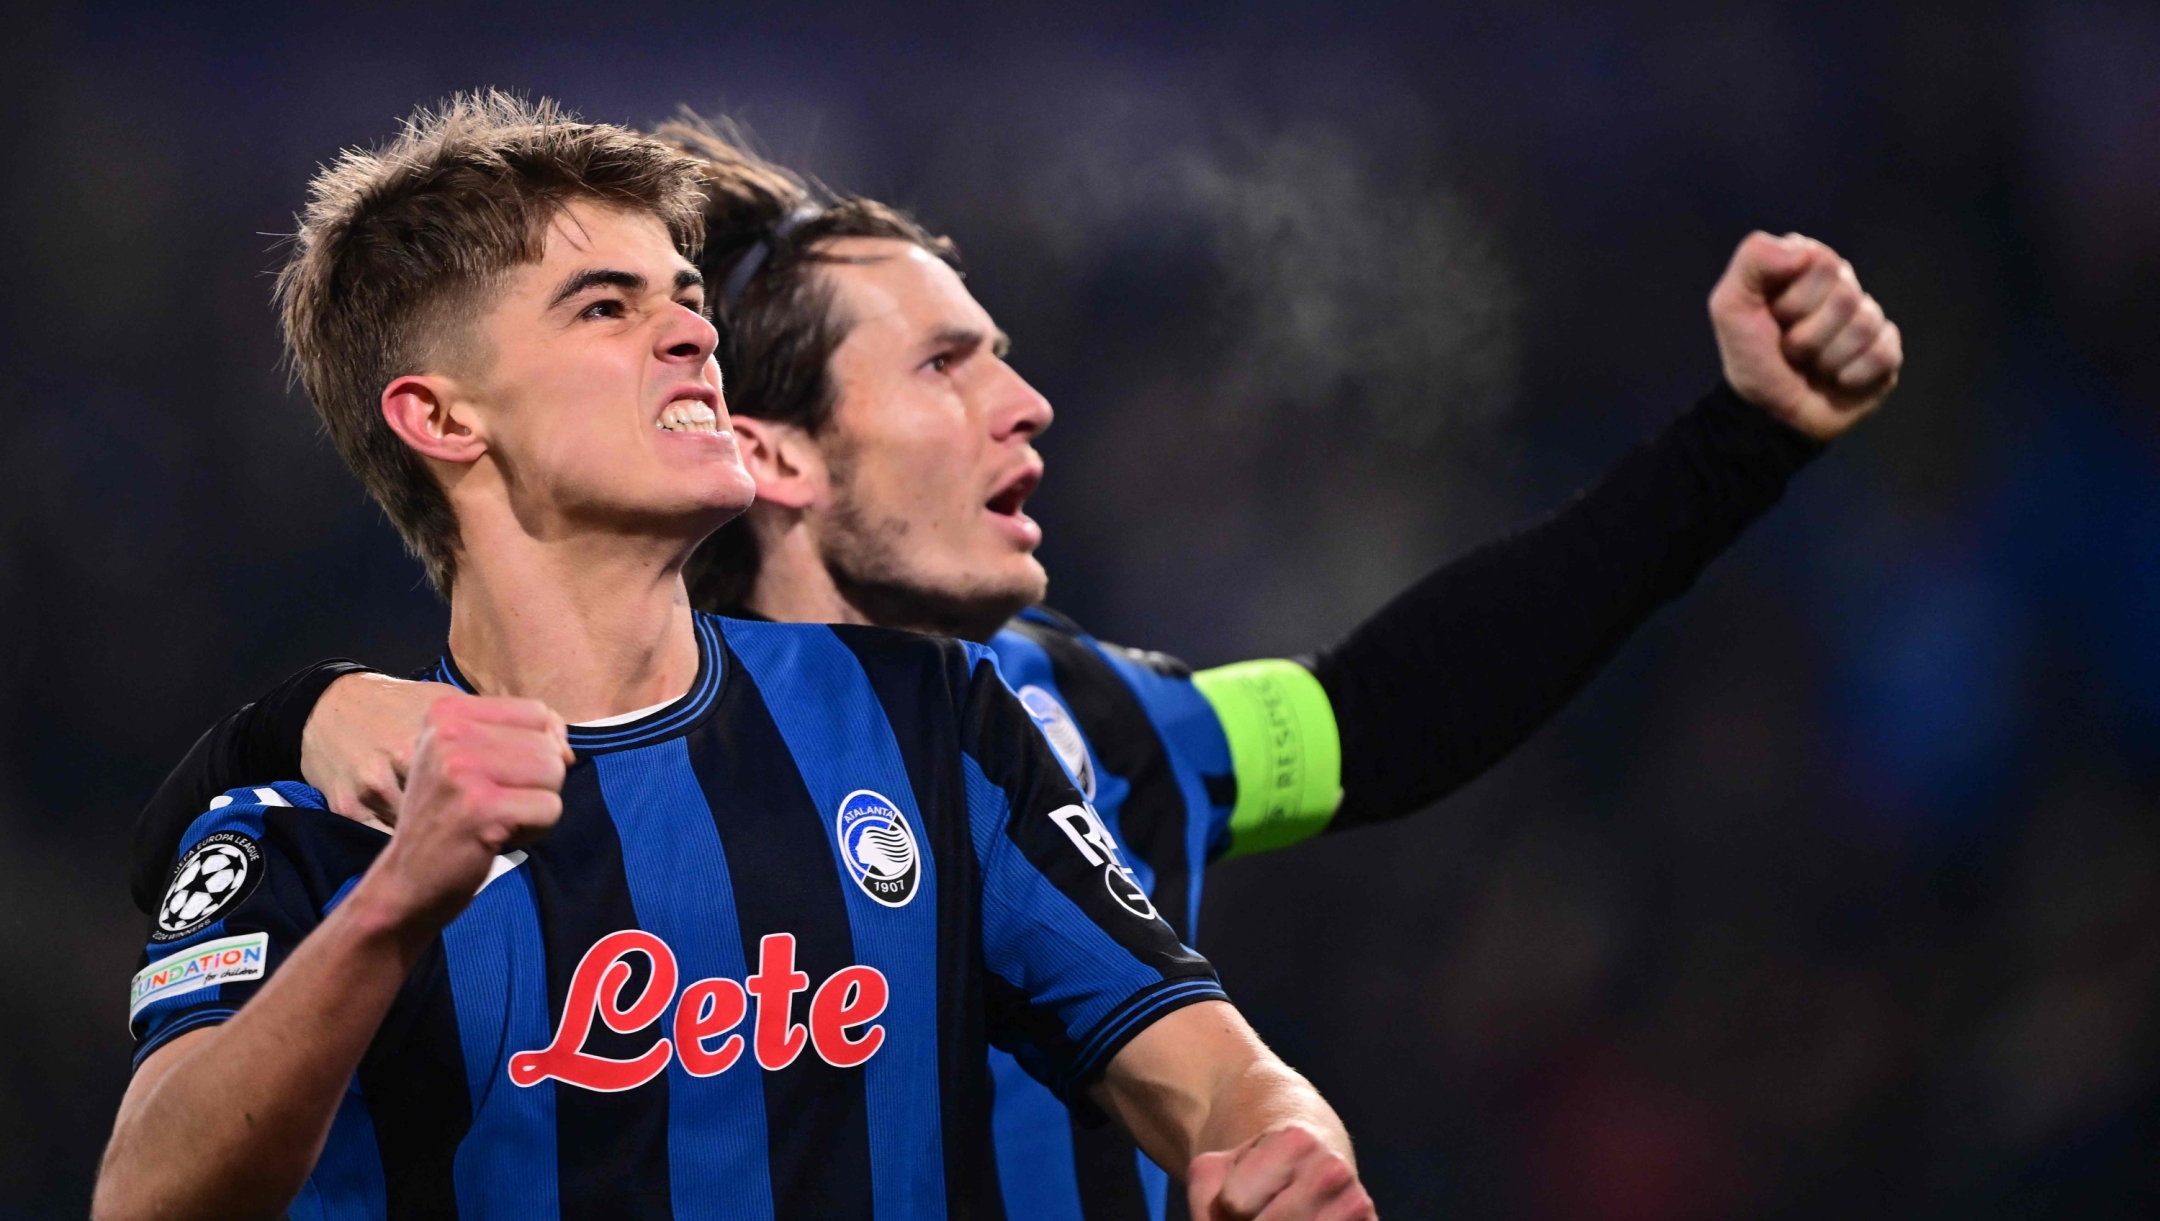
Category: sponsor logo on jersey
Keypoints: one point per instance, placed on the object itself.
(708, 1010)
(228, 960)
(1085, 829)
(1063, 734)
(212, 879)
(878, 847)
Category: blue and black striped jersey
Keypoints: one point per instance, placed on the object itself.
(1426, 694)
(1180, 773)
(754, 972)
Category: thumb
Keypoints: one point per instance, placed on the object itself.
(1204, 1181)
(383, 803)
(559, 731)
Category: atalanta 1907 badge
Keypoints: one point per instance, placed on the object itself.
(879, 848)
(212, 879)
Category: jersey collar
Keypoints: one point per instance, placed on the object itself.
(665, 722)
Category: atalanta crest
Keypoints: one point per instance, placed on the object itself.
(879, 849)
(211, 880)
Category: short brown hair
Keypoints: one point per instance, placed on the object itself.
(400, 246)
(778, 335)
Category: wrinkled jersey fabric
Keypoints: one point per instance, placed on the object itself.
(755, 971)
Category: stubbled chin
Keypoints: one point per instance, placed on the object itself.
(1025, 581)
(716, 460)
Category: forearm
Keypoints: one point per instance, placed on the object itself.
(1263, 1096)
(233, 1124)
(1205, 1083)
(1455, 672)
(257, 744)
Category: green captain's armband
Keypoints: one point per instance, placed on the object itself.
(1283, 747)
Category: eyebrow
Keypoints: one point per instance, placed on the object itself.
(969, 337)
(609, 277)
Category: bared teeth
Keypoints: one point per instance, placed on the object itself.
(688, 415)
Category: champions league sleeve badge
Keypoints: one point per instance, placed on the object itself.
(1063, 735)
(878, 847)
(212, 879)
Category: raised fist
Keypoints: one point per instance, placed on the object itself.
(487, 776)
(1287, 1173)
(1799, 338)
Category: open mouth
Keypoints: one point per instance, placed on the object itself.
(688, 415)
(1014, 494)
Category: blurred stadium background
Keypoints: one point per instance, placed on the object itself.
(1839, 895)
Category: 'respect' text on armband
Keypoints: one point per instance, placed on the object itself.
(1284, 748)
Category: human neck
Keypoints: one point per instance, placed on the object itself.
(795, 584)
(590, 624)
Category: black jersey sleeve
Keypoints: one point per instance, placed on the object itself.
(1079, 958)
(1452, 674)
(257, 744)
(255, 875)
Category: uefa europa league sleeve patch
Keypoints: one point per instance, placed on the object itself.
(213, 878)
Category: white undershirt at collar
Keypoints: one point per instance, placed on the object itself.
(623, 718)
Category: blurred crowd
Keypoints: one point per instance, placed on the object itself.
(1837, 895)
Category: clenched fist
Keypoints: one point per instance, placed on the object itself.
(1799, 338)
(1287, 1173)
(487, 776)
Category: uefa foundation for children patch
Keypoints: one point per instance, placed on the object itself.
(228, 960)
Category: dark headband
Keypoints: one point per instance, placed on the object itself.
(731, 290)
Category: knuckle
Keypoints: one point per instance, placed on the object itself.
(518, 710)
(1861, 332)
(461, 770)
(1332, 1174)
(1297, 1139)
(456, 706)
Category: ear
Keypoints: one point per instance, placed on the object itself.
(786, 462)
(418, 410)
